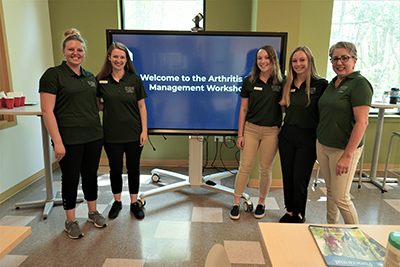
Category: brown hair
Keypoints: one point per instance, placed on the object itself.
(312, 72)
(276, 74)
(107, 68)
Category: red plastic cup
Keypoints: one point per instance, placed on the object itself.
(3, 100)
(22, 101)
(17, 101)
(10, 103)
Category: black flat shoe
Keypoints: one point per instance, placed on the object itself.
(286, 218)
(297, 219)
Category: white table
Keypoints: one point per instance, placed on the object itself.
(377, 143)
(50, 200)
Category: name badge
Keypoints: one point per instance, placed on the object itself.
(293, 90)
(103, 81)
(257, 88)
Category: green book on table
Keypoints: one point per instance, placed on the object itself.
(346, 246)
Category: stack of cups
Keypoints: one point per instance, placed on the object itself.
(9, 100)
(18, 100)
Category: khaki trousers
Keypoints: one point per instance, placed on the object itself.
(338, 187)
(256, 138)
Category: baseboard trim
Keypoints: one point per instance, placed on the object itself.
(24, 184)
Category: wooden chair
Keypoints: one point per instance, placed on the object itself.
(217, 257)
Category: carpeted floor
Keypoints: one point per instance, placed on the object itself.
(179, 228)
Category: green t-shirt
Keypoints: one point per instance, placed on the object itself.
(264, 108)
(298, 113)
(336, 109)
(121, 115)
(76, 109)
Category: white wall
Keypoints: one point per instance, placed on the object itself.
(27, 27)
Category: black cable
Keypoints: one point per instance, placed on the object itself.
(230, 147)
(205, 164)
(154, 149)
(216, 153)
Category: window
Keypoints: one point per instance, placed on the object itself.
(374, 27)
(171, 15)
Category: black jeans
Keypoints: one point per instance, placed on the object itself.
(80, 160)
(297, 150)
(115, 153)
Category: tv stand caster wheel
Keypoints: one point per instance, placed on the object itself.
(248, 206)
(142, 202)
(155, 178)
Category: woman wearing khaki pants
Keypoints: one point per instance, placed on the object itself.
(260, 118)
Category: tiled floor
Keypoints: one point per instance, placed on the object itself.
(179, 228)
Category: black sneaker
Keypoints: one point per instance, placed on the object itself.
(114, 211)
(260, 211)
(286, 218)
(234, 214)
(137, 210)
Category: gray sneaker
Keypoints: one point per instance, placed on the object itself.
(98, 219)
(73, 230)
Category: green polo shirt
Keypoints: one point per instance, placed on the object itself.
(264, 108)
(121, 115)
(336, 109)
(298, 113)
(76, 109)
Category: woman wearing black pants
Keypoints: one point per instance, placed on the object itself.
(124, 123)
(71, 115)
(297, 138)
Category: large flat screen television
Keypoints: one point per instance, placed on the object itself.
(193, 79)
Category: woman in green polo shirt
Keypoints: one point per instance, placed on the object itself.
(71, 115)
(344, 109)
(298, 136)
(260, 118)
(124, 122)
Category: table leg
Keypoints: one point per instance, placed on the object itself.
(49, 202)
(375, 154)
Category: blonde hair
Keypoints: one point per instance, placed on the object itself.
(276, 74)
(73, 34)
(311, 72)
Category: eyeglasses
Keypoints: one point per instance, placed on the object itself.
(344, 59)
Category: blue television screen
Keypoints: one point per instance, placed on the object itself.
(193, 79)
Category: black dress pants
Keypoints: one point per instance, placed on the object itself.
(115, 153)
(297, 150)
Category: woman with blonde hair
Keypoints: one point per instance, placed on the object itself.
(297, 138)
(71, 115)
(260, 118)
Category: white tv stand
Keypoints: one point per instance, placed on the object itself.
(195, 178)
